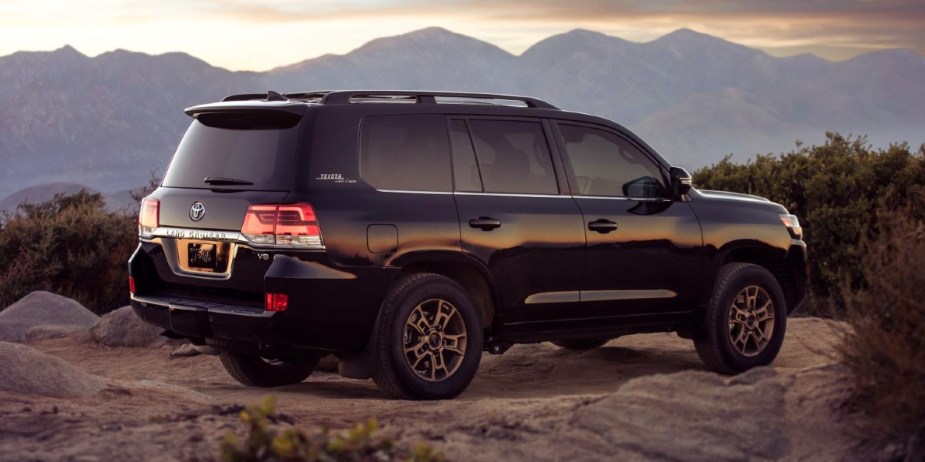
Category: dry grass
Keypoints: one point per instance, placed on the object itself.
(885, 345)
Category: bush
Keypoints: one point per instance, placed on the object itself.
(885, 344)
(836, 190)
(358, 444)
(69, 245)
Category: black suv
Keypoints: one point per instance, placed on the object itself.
(408, 232)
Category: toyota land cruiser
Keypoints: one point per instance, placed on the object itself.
(407, 232)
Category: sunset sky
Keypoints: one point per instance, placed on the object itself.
(262, 34)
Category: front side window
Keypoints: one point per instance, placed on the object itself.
(605, 164)
(513, 157)
(406, 152)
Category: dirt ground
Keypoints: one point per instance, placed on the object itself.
(640, 397)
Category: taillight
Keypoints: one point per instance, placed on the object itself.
(291, 225)
(148, 217)
(131, 285)
(277, 302)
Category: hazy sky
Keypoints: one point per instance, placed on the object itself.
(261, 34)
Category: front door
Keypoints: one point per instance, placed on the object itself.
(644, 249)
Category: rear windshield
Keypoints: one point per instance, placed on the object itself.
(240, 150)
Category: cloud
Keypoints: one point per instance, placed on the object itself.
(238, 33)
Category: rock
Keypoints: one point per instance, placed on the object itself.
(24, 369)
(185, 350)
(122, 328)
(48, 331)
(329, 363)
(40, 308)
(175, 392)
(693, 416)
(13, 331)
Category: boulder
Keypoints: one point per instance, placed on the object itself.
(122, 328)
(49, 331)
(185, 350)
(693, 415)
(39, 308)
(24, 369)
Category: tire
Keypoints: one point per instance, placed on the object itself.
(745, 322)
(255, 371)
(581, 344)
(434, 319)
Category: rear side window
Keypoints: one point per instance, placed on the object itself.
(406, 152)
(513, 157)
(237, 150)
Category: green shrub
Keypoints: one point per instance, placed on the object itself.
(885, 345)
(69, 245)
(357, 444)
(835, 189)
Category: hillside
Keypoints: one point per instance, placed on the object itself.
(109, 121)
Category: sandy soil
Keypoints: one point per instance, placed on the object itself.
(535, 402)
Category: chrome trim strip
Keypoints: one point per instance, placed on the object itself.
(609, 295)
(217, 235)
(633, 199)
(551, 196)
(400, 191)
(572, 296)
(217, 309)
(467, 193)
(199, 234)
(553, 297)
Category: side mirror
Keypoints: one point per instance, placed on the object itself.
(681, 181)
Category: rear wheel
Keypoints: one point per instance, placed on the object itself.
(744, 323)
(430, 339)
(581, 344)
(256, 371)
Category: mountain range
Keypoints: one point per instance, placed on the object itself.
(113, 120)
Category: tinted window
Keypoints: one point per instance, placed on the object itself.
(405, 152)
(254, 147)
(513, 157)
(466, 171)
(605, 164)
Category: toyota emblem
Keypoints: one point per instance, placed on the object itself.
(197, 211)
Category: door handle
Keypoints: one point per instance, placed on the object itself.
(485, 223)
(602, 226)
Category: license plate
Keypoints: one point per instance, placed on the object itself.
(201, 256)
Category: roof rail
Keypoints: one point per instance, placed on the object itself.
(397, 96)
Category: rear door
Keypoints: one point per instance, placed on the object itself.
(514, 216)
(644, 249)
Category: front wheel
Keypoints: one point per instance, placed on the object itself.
(430, 339)
(744, 323)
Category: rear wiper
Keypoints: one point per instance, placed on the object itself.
(219, 181)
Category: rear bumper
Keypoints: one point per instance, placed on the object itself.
(329, 309)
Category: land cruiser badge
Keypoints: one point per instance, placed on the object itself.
(197, 211)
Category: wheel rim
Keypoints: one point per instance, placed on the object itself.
(435, 340)
(751, 321)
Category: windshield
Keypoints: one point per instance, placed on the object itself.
(236, 150)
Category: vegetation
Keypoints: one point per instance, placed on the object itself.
(360, 443)
(836, 190)
(885, 345)
(69, 245)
